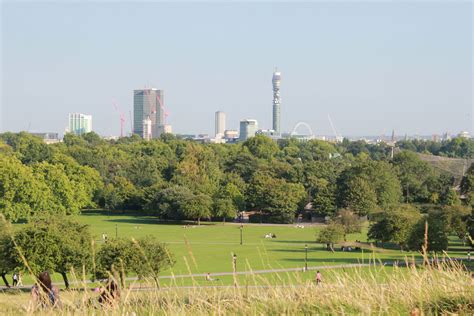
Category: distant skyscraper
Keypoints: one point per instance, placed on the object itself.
(148, 103)
(220, 124)
(80, 123)
(276, 79)
(248, 128)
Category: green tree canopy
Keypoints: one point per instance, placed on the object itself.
(395, 225)
(276, 198)
(360, 196)
(53, 243)
(331, 234)
(438, 231)
(261, 146)
(145, 257)
(197, 206)
(21, 193)
(379, 175)
(414, 175)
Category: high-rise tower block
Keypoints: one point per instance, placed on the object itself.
(276, 101)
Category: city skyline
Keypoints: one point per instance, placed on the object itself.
(373, 67)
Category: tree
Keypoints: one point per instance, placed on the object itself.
(395, 225)
(30, 149)
(62, 189)
(197, 206)
(349, 221)
(457, 217)
(53, 243)
(360, 197)
(144, 257)
(316, 150)
(119, 194)
(324, 199)
(275, 198)
(413, 174)
(21, 194)
(467, 186)
(438, 231)
(168, 202)
(198, 170)
(114, 256)
(85, 180)
(7, 262)
(378, 175)
(450, 198)
(151, 258)
(261, 146)
(331, 234)
(224, 208)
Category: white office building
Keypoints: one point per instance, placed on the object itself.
(80, 124)
(220, 124)
(248, 128)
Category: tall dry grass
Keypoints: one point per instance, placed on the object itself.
(443, 288)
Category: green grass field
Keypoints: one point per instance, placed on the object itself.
(209, 247)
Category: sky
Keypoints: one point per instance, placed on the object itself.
(372, 66)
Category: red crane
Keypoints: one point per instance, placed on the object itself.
(165, 113)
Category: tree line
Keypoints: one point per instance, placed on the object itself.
(404, 226)
(180, 179)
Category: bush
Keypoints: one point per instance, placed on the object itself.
(145, 257)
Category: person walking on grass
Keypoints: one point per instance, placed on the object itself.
(15, 279)
(319, 278)
(44, 294)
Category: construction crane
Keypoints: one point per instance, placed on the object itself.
(333, 129)
(165, 113)
(153, 105)
(122, 118)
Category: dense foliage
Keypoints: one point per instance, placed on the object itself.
(179, 179)
(458, 147)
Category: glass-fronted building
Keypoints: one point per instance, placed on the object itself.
(80, 123)
(148, 103)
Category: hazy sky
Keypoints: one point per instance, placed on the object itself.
(373, 66)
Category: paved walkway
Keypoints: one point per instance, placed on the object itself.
(250, 272)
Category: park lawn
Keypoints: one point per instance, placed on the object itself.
(209, 247)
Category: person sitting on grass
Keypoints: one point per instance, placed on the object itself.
(110, 294)
(44, 294)
(209, 278)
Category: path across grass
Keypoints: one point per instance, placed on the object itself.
(209, 248)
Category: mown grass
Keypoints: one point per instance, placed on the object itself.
(209, 247)
(374, 289)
